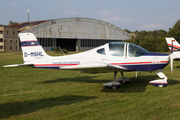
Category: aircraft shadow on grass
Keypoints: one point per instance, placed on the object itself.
(19, 108)
(177, 66)
(87, 79)
(136, 84)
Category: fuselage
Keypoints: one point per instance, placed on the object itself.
(121, 54)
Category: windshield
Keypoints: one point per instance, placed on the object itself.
(116, 48)
(135, 50)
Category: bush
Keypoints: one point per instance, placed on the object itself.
(65, 50)
(56, 50)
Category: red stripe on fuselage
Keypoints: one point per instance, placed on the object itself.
(134, 63)
(131, 63)
(54, 64)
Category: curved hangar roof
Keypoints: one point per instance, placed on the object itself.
(82, 28)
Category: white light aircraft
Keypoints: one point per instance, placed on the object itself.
(111, 57)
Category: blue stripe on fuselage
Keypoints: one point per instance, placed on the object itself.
(147, 67)
(155, 54)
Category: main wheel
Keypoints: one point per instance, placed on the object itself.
(162, 85)
(113, 87)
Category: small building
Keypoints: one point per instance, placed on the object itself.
(9, 40)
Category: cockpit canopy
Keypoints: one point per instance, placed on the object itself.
(135, 50)
(128, 49)
(116, 48)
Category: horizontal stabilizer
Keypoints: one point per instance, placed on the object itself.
(15, 65)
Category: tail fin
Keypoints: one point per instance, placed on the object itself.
(31, 48)
(176, 45)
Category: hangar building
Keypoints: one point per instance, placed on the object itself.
(74, 34)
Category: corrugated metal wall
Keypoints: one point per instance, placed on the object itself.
(78, 28)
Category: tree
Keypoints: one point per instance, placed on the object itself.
(128, 31)
(175, 31)
(11, 22)
(153, 41)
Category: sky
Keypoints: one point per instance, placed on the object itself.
(125, 14)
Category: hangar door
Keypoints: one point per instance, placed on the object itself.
(69, 44)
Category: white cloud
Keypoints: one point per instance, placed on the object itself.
(14, 3)
(118, 19)
(153, 25)
(107, 19)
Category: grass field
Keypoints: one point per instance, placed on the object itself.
(29, 93)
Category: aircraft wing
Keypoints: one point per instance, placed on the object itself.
(95, 67)
(15, 65)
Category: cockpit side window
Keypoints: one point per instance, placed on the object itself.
(101, 51)
(116, 49)
(136, 51)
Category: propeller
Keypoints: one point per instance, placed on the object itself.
(171, 57)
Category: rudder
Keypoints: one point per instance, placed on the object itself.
(176, 45)
(31, 48)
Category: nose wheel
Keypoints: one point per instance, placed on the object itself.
(117, 82)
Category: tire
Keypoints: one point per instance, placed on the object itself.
(114, 87)
(160, 85)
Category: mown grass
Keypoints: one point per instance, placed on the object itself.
(29, 93)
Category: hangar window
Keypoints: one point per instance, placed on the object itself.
(101, 51)
(116, 48)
